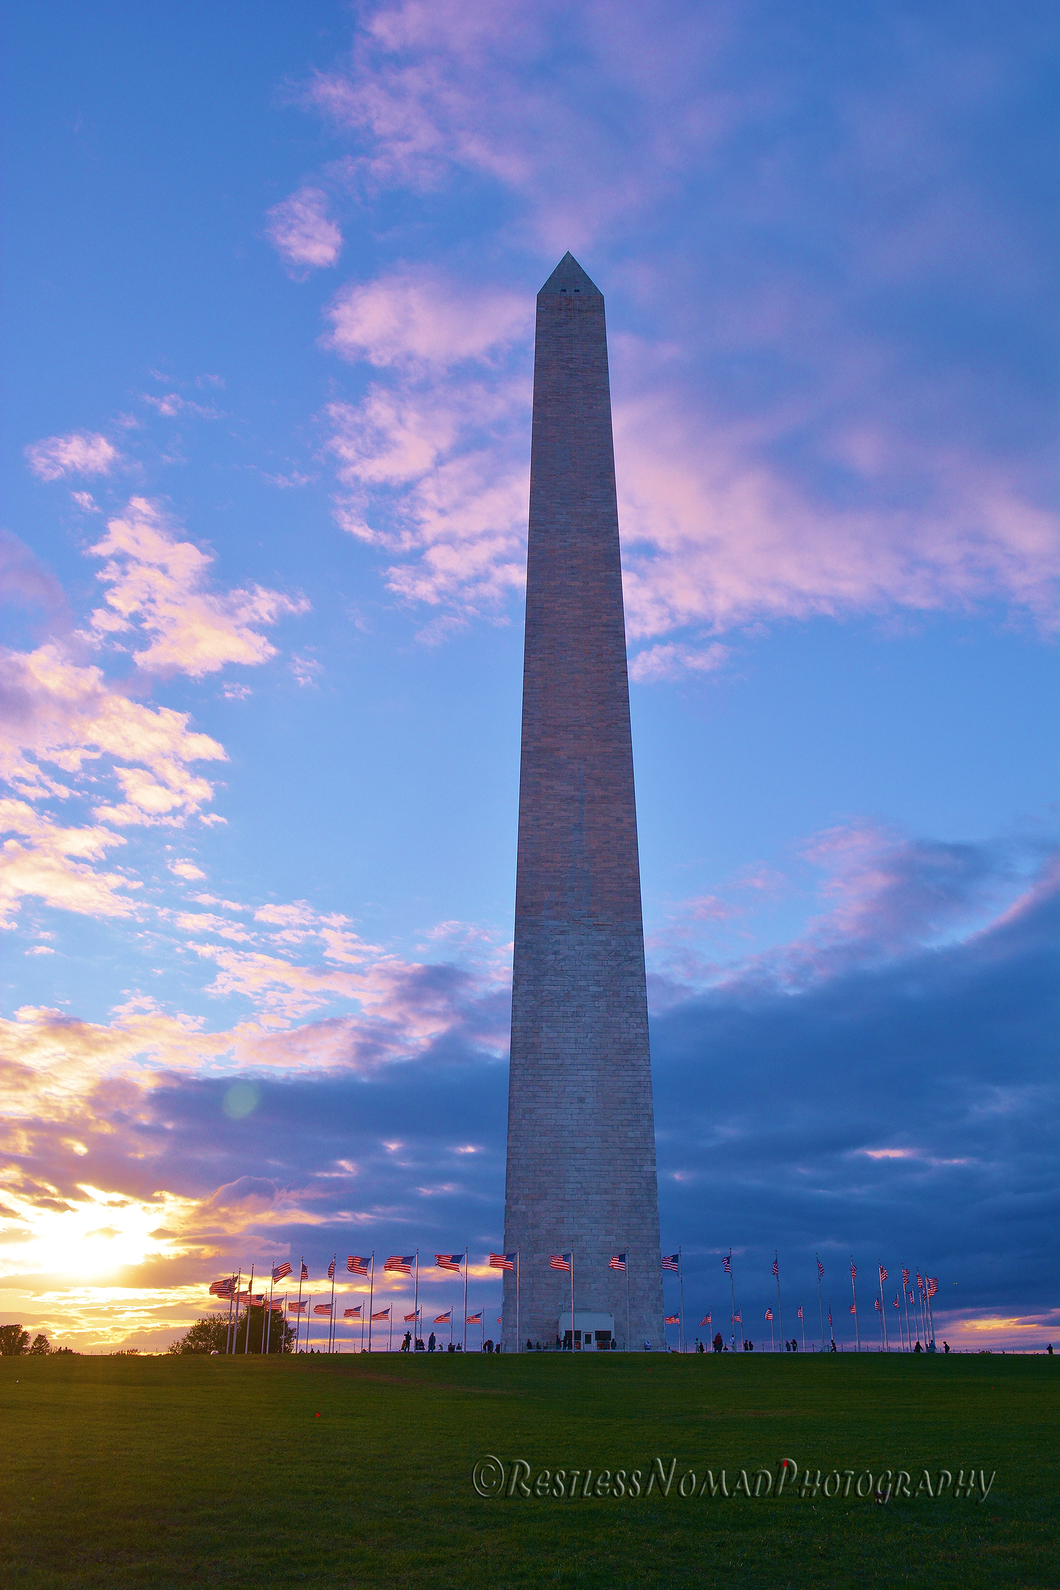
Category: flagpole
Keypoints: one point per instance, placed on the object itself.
(905, 1310)
(390, 1329)
(802, 1316)
(780, 1306)
(681, 1282)
(820, 1304)
(732, 1290)
(572, 1297)
(883, 1310)
(298, 1313)
(466, 1255)
(629, 1344)
(266, 1313)
(230, 1344)
(772, 1336)
(518, 1328)
(371, 1295)
(331, 1331)
(854, 1290)
(416, 1301)
(250, 1295)
(308, 1323)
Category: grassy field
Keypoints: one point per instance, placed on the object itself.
(357, 1471)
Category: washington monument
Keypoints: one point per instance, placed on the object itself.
(581, 1137)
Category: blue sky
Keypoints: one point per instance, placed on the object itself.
(271, 276)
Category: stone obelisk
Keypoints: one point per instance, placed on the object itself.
(581, 1136)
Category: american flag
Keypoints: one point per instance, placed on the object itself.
(502, 1261)
(876, 1301)
(294, 1307)
(410, 1317)
(905, 1277)
(449, 1261)
(820, 1270)
(672, 1319)
(618, 1261)
(475, 1319)
(853, 1270)
(705, 1320)
(800, 1312)
(222, 1288)
(331, 1270)
(769, 1313)
(321, 1308)
(384, 1313)
(853, 1309)
(672, 1261)
(910, 1297)
(726, 1265)
(443, 1319)
(357, 1265)
(352, 1313)
(776, 1268)
(400, 1264)
(933, 1285)
(737, 1319)
(277, 1307)
(883, 1275)
(829, 1316)
(896, 1302)
(559, 1261)
(305, 1271)
(919, 1282)
(279, 1272)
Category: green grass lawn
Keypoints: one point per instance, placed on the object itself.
(353, 1470)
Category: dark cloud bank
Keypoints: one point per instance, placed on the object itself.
(771, 1106)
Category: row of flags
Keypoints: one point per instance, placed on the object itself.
(457, 1263)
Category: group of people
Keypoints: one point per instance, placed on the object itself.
(432, 1345)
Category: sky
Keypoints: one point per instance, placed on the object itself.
(270, 275)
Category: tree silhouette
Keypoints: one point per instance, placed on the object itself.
(209, 1334)
(13, 1340)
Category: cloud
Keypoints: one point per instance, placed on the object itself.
(725, 535)
(55, 715)
(905, 1107)
(173, 404)
(301, 232)
(432, 94)
(80, 453)
(54, 866)
(671, 662)
(871, 895)
(24, 582)
(424, 318)
(793, 438)
(156, 582)
(185, 869)
(434, 465)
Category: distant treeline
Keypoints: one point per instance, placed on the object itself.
(14, 1340)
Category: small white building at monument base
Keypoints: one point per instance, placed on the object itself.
(592, 1332)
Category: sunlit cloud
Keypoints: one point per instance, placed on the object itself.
(80, 453)
(155, 587)
(302, 233)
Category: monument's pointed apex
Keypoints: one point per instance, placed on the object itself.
(568, 277)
